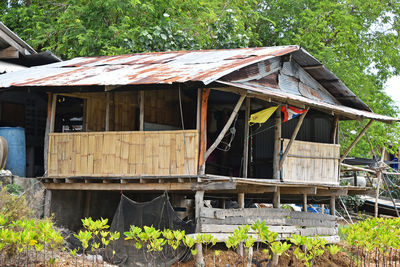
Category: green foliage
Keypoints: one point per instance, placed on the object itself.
(313, 248)
(13, 207)
(22, 237)
(374, 234)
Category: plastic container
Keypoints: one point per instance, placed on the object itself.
(15, 137)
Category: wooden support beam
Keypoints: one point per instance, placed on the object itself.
(53, 112)
(13, 43)
(86, 208)
(205, 93)
(332, 192)
(175, 186)
(294, 134)
(246, 138)
(277, 145)
(241, 200)
(107, 112)
(226, 127)
(199, 203)
(335, 129)
(356, 141)
(9, 52)
(141, 110)
(198, 111)
(47, 203)
(305, 202)
(276, 201)
(332, 205)
(298, 190)
(213, 186)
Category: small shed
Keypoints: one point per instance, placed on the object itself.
(179, 122)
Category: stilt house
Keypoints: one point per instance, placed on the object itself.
(147, 123)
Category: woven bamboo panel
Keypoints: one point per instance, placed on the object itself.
(101, 154)
(311, 162)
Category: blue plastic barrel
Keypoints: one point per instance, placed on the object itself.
(15, 137)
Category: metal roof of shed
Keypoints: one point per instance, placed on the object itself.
(205, 66)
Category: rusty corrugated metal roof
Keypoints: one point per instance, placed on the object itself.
(146, 68)
(205, 66)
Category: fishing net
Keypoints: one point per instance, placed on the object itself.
(158, 213)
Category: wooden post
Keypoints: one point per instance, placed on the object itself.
(276, 201)
(335, 130)
(107, 111)
(46, 135)
(305, 202)
(246, 138)
(295, 132)
(198, 111)
(53, 112)
(356, 141)
(141, 110)
(203, 130)
(332, 206)
(277, 144)
(47, 203)
(226, 127)
(86, 208)
(241, 200)
(379, 178)
(199, 203)
(322, 208)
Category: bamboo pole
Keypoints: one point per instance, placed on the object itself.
(226, 127)
(379, 178)
(356, 140)
(294, 134)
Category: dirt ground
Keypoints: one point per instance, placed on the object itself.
(344, 258)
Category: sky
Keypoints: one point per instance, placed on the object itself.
(393, 89)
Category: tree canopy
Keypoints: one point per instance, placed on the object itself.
(357, 40)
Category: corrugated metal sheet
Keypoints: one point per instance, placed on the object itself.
(147, 68)
(204, 66)
(292, 98)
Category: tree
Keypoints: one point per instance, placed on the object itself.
(356, 39)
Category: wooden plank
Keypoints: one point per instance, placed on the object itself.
(217, 228)
(141, 108)
(213, 186)
(53, 112)
(261, 212)
(46, 152)
(117, 186)
(282, 221)
(9, 52)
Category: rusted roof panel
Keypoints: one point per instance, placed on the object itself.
(205, 66)
(147, 68)
(292, 98)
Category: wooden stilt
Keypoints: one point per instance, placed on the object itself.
(332, 205)
(199, 200)
(305, 202)
(276, 201)
(47, 203)
(277, 144)
(107, 111)
(86, 209)
(241, 200)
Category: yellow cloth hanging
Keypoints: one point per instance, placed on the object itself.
(262, 116)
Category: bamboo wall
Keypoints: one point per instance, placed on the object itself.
(311, 162)
(100, 154)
